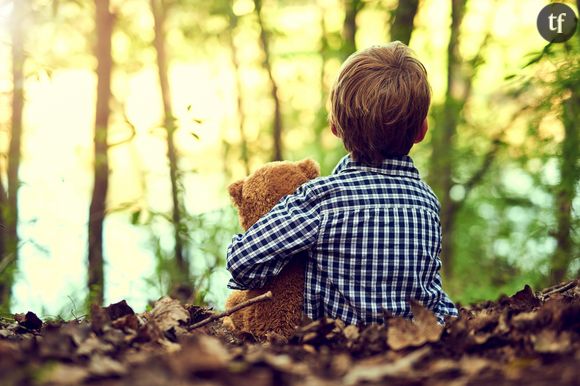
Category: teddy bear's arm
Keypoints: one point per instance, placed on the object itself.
(263, 251)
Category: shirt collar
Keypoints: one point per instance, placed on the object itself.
(394, 166)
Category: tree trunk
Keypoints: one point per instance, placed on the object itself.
(9, 198)
(566, 191)
(104, 29)
(348, 46)
(277, 124)
(403, 20)
(443, 139)
(158, 10)
(5, 258)
(233, 19)
(351, 10)
(321, 119)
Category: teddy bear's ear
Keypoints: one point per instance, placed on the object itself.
(235, 190)
(310, 168)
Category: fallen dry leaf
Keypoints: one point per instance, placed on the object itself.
(524, 339)
(168, 313)
(104, 367)
(351, 332)
(549, 341)
(472, 365)
(120, 309)
(423, 328)
(29, 321)
(376, 372)
(93, 345)
(199, 353)
(64, 374)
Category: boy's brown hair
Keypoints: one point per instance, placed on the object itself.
(379, 102)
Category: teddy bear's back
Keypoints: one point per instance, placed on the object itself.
(254, 196)
(284, 312)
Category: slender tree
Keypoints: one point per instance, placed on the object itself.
(9, 197)
(233, 23)
(349, 26)
(403, 20)
(267, 64)
(104, 28)
(569, 169)
(5, 258)
(159, 11)
(443, 137)
(447, 117)
(566, 191)
(348, 32)
(321, 119)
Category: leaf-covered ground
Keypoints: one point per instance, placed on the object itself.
(528, 339)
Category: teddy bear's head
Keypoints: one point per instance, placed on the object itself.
(256, 194)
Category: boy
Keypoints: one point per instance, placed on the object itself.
(371, 229)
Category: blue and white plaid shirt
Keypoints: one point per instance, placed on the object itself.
(372, 235)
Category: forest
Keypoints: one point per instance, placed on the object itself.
(123, 122)
(124, 125)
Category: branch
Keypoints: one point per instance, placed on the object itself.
(3, 192)
(264, 297)
(471, 67)
(559, 288)
(133, 131)
(121, 207)
(486, 164)
(403, 20)
(475, 63)
(489, 157)
(6, 261)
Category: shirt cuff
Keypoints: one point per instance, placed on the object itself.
(232, 284)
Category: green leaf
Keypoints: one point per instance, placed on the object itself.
(135, 217)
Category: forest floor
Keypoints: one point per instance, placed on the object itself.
(530, 338)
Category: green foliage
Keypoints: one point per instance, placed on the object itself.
(510, 221)
(93, 295)
(207, 234)
(507, 224)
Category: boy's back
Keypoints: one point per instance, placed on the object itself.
(373, 237)
(371, 229)
(378, 244)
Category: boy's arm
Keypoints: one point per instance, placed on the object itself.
(260, 253)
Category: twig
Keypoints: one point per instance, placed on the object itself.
(264, 297)
(132, 133)
(489, 158)
(560, 288)
(6, 261)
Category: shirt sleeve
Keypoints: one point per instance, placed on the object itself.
(268, 245)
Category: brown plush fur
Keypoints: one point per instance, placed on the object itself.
(254, 196)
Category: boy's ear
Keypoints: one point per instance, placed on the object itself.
(422, 131)
(310, 168)
(334, 130)
(235, 190)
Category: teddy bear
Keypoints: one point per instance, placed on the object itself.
(254, 196)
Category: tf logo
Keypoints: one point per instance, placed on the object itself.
(556, 22)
